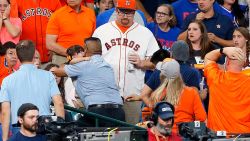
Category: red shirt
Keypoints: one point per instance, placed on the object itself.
(172, 137)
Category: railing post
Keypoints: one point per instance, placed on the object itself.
(96, 122)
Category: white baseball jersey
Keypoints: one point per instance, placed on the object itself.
(115, 48)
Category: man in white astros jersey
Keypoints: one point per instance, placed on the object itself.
(127, 46)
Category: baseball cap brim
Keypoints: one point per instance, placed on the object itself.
(165, 116)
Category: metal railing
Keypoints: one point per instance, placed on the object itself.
(99, 117)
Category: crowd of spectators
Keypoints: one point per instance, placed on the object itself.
(118, 57)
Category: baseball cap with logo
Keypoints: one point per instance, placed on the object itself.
(170, 68)
(126, 4)
(165, 111)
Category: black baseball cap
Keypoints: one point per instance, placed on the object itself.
(26, 107)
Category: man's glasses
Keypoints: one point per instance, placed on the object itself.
(123, 12)
(161, 13)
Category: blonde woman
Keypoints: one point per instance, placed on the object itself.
(186, 100)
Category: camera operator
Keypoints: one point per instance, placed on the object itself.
(163, 119)
(27, 118)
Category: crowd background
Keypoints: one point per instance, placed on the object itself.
(134, 37)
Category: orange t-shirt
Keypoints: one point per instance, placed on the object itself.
(4, 71)
(13, 9)
(122, 28)
(229, 100)
(189, 108)
(246, 71)
(72, 28)
(35, 16)
(63, 2)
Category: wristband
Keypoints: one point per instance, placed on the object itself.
(5, 19)
(221, 50)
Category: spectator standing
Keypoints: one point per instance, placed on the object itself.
(10, 27)
(103, 5)
(164, 29)
(22, 86)
(87, 3)
(228, 92)
(64, 32)
(219, 27)
(110, 15)
(8, 60)
(98, 92)
(126, 43)
(233, 10)
(182, 8)
(27, 117)
(148, 7)
(35, 15)
(241, 37)
(199, 44)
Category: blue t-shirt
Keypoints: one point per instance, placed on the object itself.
(222, 10)
(166, 38)
(148, 74)
(110, 15)
(182, 8)
(20, 137)
(190, 76)
(154, 80)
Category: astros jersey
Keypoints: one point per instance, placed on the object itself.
(115, 48)
(35, 16)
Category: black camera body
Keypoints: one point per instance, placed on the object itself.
(196, 131)
(55, 128)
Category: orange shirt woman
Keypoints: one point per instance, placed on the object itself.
(187, 102)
